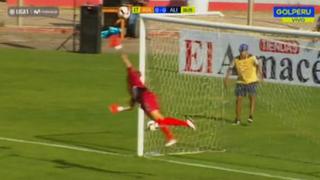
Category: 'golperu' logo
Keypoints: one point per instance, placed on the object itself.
(199, 56)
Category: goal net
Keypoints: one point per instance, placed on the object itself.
(184, 61)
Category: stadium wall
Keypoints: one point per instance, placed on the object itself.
(69, 3)
(259, 5)
(214, 5)
(60, 3)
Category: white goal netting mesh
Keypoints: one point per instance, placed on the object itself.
(288, 100)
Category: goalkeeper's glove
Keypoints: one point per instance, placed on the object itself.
(115, 108)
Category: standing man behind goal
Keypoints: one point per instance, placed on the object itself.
(249, 72)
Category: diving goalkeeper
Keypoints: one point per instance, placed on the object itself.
(148, 100)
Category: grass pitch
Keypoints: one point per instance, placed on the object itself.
(58, 98)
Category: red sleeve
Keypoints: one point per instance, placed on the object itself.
(134, 78)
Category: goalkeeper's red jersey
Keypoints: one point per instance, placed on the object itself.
(140, 93)
(134, 79)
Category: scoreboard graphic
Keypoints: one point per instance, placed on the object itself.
(163, 10)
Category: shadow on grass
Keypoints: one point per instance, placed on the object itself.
(64, 164)
(17, 45)
(4, 147)
(77, 141)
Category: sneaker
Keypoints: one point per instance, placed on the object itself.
(236, 122)
(171, 142)
(190, 124)
(250, 119)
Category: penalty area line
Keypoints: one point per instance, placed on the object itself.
(76, 148)
(261, 174)
(83, 149)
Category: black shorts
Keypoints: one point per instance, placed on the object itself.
(244, 89)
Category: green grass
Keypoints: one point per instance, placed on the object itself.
(62, 98)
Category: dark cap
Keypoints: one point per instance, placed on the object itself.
(243, 47)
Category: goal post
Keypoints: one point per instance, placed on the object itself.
(184, 61)
(142, 60)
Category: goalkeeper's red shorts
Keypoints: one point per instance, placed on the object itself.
(149, 102)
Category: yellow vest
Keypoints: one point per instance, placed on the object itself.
(246, 69)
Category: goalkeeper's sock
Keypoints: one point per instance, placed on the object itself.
(166, 131)
(169, 121)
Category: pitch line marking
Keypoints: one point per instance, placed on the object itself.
(83, 149)
(77, 148)
(261, 174)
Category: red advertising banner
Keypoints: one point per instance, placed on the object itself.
(59, 3)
